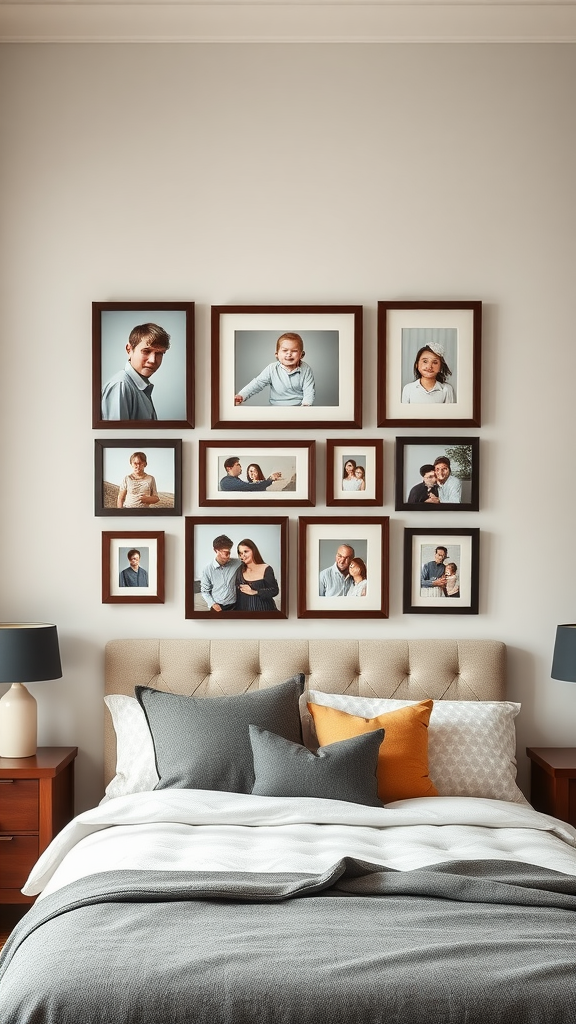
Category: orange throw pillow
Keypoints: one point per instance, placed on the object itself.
(403, 755)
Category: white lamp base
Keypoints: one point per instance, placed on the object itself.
(18, 722)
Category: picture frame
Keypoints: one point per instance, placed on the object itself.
(453, 395)
(268, 540)
(451, 478)
(219, 485)
(325, 540)
(124, 358)
(118, 569)
(362, 484)
(459, 594)
(327, 393)
(115, 462)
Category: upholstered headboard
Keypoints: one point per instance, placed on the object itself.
(404, 669)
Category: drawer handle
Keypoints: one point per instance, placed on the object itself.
(7, 782)
(6, 839)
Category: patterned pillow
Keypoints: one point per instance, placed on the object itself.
(135, 766)
(471, 744)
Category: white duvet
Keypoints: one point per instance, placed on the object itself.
(199, 830)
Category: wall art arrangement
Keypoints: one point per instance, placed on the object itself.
(290, 368)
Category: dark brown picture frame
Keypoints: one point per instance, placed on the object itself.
(276, 320)
(209, 497)
(464, 466)
(467, 601)
(237, 528)
(113, 594)
(315, 532)
(132, 445)
(353, 451)
(181, 369)
(462, 318)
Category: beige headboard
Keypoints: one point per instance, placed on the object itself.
(404, 669)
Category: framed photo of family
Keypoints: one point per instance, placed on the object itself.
(354, 472)
(133, 567)
(441, 571)
(429, 361)
(142, 365)
(257, 474)
(437, 473)
(137, 477)
(236, 567)
(286, 366)
(343, 567)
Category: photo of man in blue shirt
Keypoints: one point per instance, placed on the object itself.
(128, 395)
(232, 481)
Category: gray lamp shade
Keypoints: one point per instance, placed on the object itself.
(564, 660)
(29, 652)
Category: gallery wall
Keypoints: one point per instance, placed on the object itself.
(287, 174)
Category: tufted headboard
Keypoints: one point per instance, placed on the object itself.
(404, 669)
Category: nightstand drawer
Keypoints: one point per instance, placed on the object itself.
(19, 805)
(18, 854)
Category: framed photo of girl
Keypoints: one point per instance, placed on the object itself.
(429, 360)
(137, 477)
(343, 567)
(143, 365)
(133, 567)
(437, 473)
(286, 366)
(441, 571)
(257, 473)
(236, 567)
(354, 472)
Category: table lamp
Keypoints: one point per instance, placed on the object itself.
(29, 653)
(564, 660)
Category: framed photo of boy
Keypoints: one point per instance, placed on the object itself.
(429, 358)
(143, 364)
(236, 567)
(286, 366)
(437, 473)
(354, 472)
(133, 567)
(257, 473)
(137, 477)
(343, 567)
(441, 571)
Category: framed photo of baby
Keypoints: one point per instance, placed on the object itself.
(343, 567)
(354, 471)
(133, 567)
(257, 473)
(429, 362)
(286, 366)
(441, 571)
(437, 474)
(137, 477)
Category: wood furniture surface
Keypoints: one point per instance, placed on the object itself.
(36, 801)
(553, 781)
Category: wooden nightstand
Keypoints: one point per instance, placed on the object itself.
(36, 801)
(553, 781)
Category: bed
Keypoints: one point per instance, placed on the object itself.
(302, 831)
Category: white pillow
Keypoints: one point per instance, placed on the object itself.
(471, 744)
(135, 760)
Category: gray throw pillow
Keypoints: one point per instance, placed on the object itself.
(203, 742)
(339, 771)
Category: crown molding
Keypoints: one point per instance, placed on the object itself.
(286, 21)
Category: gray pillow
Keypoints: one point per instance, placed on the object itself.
(339, 771)
(203, 742)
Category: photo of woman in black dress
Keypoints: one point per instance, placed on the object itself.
(256, 584)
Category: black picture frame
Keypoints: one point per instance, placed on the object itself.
(463, 544)
(460, 454)
(111, 454)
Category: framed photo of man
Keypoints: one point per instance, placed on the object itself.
(441, 571)
(257, 474)
(142, 365)
(133, 567)
(437, 474)
(286, 366)
(429, 362)
(138, 477)
(236, 567)
(343, 567)
(354, 471)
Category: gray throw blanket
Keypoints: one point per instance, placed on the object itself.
(474, 942)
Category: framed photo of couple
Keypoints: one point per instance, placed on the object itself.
(354, 472)
(286, 366)
(441, 571)
(257, 473)
(343, 567)
(437, 474)
(133, 567)
(429, 361)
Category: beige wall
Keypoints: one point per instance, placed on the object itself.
(304, 173)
